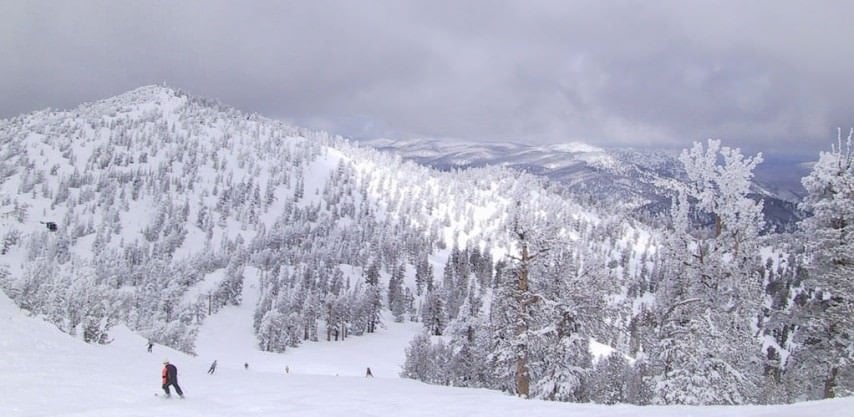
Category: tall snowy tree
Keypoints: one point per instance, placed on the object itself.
(418, 357)
(569, 303)
(433, 313)
(611, 379)
(521, 300)
(396, 295)
(825, 333)
(707, 350)
(372, 301)
(522, 318)
(423, 275)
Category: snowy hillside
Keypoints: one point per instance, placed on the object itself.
(228, 337)
(48, 373)
(164, 207)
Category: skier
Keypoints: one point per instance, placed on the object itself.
(170, 377)
(368, 373)
(212, 368)
(246, 365)
(150, 345)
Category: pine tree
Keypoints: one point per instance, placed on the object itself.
(418, 358)
(569, 299)
(501, 358)
(467, 367)
(371, 306)
(423, 275)
(396, 300)
(433, 314)
(269, 332)
(706, 351)
(826, 328)
(610, 380)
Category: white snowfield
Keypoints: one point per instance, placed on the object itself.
(44, 372)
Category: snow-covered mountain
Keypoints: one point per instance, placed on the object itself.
(154, 206)
(640, 181)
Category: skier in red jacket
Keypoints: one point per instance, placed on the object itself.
(170, 377)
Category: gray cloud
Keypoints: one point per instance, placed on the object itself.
(768, 76)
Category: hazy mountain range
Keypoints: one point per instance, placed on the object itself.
(640, 181)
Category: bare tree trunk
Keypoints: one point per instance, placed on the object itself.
(522, 375)
(830, 383)
(718, 225)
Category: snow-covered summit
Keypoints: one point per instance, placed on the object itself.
(136, 102)
(575, 147)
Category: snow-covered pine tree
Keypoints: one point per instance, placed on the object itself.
(467, 367)
(418, 358)
(610, 380)
(433, 313)
(269, 332)
(825, 333)
(522, 318)
(707, 350)
(396, 296)
(524, 304)
(423, 275)
(570, 300)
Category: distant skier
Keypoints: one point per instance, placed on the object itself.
(150, 345)
(212, 369)
(368, 373)
(246, 365)
(170, 377)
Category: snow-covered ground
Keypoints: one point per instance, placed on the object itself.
(44, 372)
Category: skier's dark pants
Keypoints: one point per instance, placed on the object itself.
(174, 384)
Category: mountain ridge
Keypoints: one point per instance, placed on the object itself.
(156, 178)
(643, 181)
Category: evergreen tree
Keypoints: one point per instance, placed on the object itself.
(610, 380)
(467, 367)
(418, 359)
(423, 275)
(396, 300)
(433, 314)
(706, 351)
(371, 306)
(825, 335)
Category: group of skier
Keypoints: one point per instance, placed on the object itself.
(169, 375)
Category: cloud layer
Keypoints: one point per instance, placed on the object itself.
(772, 76)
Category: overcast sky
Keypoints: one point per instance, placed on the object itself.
(773, 76)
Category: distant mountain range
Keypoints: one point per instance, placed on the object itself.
(640, 181)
